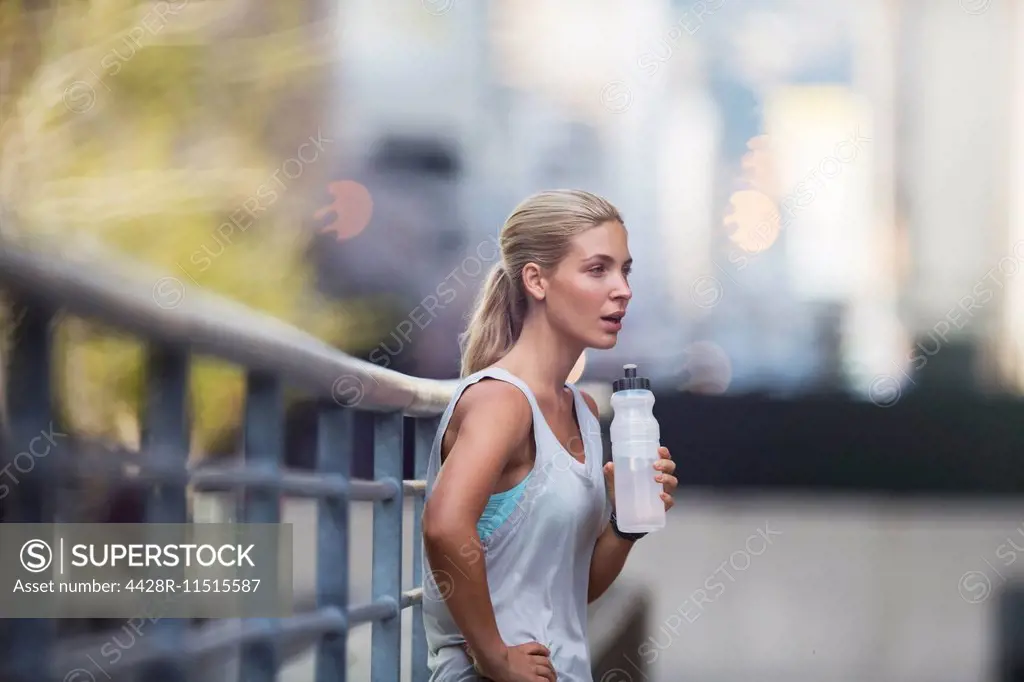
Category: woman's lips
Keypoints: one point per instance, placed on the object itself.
(611, 324)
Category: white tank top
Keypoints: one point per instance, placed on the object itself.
(538, 559)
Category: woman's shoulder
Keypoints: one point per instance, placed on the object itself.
(491, 396)
(494, 405)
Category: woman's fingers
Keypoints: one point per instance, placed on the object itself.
(536, 649)
(544, 662)
(665, 467)
(546, 673)
(665, 462)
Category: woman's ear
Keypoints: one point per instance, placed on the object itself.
(533, 281)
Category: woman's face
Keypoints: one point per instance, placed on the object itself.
(588, 291)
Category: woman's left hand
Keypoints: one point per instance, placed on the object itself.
(664, 468)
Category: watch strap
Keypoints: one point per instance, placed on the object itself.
(632, 537)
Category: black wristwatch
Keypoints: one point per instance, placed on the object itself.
(632, 537)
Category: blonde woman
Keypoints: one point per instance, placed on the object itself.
(519, 528)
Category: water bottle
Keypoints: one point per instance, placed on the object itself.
(636, 438)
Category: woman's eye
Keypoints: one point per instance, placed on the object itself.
(597, 269)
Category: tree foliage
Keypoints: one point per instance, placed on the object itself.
(146, 127)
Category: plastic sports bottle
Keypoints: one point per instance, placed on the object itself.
(635, 440)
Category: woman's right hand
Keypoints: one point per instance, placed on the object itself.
(530, 662)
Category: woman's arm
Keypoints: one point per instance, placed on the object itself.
(610, 554)
(493, 419)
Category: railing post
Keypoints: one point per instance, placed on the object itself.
(165, 438)
(264, 450)
(30, 470)
(424, 431)
(386, 655)
(335, 438)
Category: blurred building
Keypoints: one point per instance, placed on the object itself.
(809, 192)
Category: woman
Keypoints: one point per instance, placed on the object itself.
(519, 530)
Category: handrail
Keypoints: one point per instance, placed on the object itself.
(122, 294)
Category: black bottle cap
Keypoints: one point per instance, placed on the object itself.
(630, 381)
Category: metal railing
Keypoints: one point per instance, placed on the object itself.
(274, 355)
(121, 295)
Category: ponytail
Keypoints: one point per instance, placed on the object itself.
(496, 322)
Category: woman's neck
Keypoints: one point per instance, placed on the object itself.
(541, 357)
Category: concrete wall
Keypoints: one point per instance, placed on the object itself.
(851, 590)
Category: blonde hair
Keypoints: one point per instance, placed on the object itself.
(539, 231)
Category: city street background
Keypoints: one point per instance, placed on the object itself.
(825, 205)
